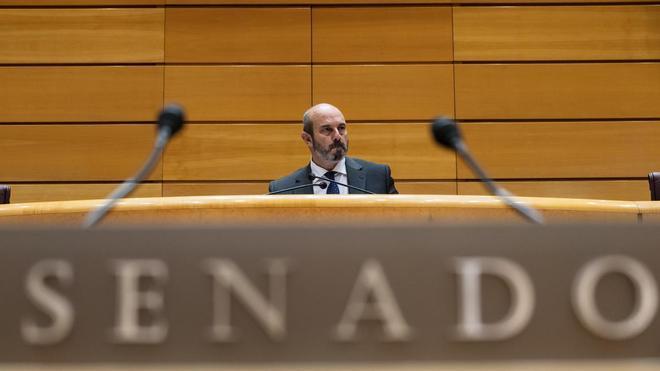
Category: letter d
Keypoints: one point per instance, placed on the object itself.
(470, 323)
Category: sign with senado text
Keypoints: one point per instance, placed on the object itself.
(329, 294)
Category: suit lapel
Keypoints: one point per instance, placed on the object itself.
(356, 175)
(302, 177)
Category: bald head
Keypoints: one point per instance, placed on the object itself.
(317, 112)
(325, 134)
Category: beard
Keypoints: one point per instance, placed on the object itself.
(328, 154)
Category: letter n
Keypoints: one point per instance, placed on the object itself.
(228, 279)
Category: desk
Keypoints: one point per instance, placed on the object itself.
(317, 209)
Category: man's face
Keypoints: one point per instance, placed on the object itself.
(330, 139)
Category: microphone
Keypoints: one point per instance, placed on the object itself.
(322, 185)
(171, 119)
(170, 122)
(445, 131)
(312, 177)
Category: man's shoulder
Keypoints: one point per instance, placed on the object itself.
(367, 165)
(377, 177)
(288, 181)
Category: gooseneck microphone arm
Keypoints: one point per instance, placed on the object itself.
(170, 122)
(312, 176)
(321, 185)
(527, 212)
(445, 132)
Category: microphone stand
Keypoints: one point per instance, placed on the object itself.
(341, 184)
(322, 185)
(129, 185)
(527, 212)
(445, 132)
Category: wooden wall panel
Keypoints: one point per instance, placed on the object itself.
(238, 35)
(304, 2)
(382, 34)
(209, 189)
(212, 189)
(74, 152)
(389, 64)
(557, 91)
(381, 2)
(58, 94)
(301, 2)
(545, 2)
(564, 149)
(268, 151)
(426, 188)
(258, 188)
(52, 3)
(243, 93)
(408, 148)
(235, 152)
(525, 33)
(386, 92)
(75, 191)
(123, 35)
(624, 190)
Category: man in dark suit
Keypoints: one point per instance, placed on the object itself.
(325, 134)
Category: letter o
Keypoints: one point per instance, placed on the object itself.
(584, 297)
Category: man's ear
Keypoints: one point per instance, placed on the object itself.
(306, 138)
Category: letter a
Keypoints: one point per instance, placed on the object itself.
(372, 281)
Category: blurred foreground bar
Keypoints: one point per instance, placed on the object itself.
(331, 297)
(633, 365)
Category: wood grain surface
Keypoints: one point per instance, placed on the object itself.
(311, 209)
(80, 93)
(386, 92)
(234, 152)
(558, 91)
(564, 149)
(75, 152)
(301, 2)
(21, 193)
(380, 2)
(258, 188)
(238, 35)
(624, 190)
(534, 33)
(408, 148)
(214, 188)
(246, 70)
(426, 187)
(55, 3)
(86, 35)
(382, 34)
(245, 93)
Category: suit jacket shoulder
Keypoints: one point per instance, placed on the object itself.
(297, 178)
(369, 175)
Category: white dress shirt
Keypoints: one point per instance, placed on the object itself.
(340, 176)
